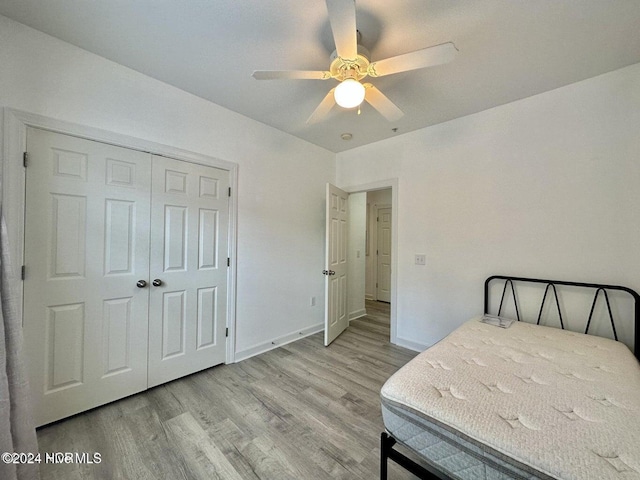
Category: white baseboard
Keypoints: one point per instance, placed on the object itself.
(368, 296)
(357, 314)
(411, 345)
(277, 342)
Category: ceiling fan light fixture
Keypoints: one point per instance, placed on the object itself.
(349, 94)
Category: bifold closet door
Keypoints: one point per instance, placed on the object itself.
(189, 248)
(86, 247)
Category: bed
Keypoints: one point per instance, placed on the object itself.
(527, 402)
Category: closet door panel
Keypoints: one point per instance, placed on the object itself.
(86, 246)
(187, 311)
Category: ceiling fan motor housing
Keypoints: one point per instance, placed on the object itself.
(342, 68)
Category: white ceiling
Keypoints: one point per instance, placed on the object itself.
(508, 49)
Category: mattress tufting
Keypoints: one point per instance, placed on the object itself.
(523, 402)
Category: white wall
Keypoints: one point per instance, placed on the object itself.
(544, 187)
(281, 178)
(356, 254)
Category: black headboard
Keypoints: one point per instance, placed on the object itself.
(551, 287)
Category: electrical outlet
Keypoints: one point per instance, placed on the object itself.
(312, 302)
(421, 259)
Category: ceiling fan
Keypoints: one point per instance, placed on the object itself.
(350, 63)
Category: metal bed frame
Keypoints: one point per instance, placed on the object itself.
(428, 472)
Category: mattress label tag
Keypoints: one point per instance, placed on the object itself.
(496, 321)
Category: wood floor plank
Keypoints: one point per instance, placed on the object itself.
(226, 435)
(267, 462)
(302, 411)
(202, 457)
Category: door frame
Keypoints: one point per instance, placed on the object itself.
(391, 183)
(12, 183)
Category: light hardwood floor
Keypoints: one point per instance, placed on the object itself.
(299, 412)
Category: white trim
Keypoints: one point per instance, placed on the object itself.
(369, 297)
(410, 344)
(381, 185)
(357, 314)
(278, 342)
(233, 265)
(14, 137)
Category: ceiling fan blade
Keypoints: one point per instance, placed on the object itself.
(323, 109)
(427, 57)
(381, 103)
(290, 75)
(342, 17)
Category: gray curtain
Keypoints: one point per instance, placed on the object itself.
(17, 432)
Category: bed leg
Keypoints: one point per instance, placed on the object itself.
(386, 442)
(388, 453)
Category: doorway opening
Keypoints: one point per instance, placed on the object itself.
(373, 252)
(351, 237)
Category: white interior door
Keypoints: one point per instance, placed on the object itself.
(189, 248)
(335, 313)
(126, 271)
(86, 246)
(383, 282)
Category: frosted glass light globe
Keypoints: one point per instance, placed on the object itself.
(349, 94)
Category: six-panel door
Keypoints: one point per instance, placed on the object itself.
(86, 245)
(189, 224)
(383, 282)
(337, 227)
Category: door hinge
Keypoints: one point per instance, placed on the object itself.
(22, 272)
(229, 191)
(228, 262)
(25, 159)
(226, 332)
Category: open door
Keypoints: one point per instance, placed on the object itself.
(335, 310)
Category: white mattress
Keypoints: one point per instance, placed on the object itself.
(523, 402)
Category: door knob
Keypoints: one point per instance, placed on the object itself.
(157, 282)
(141, 284)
